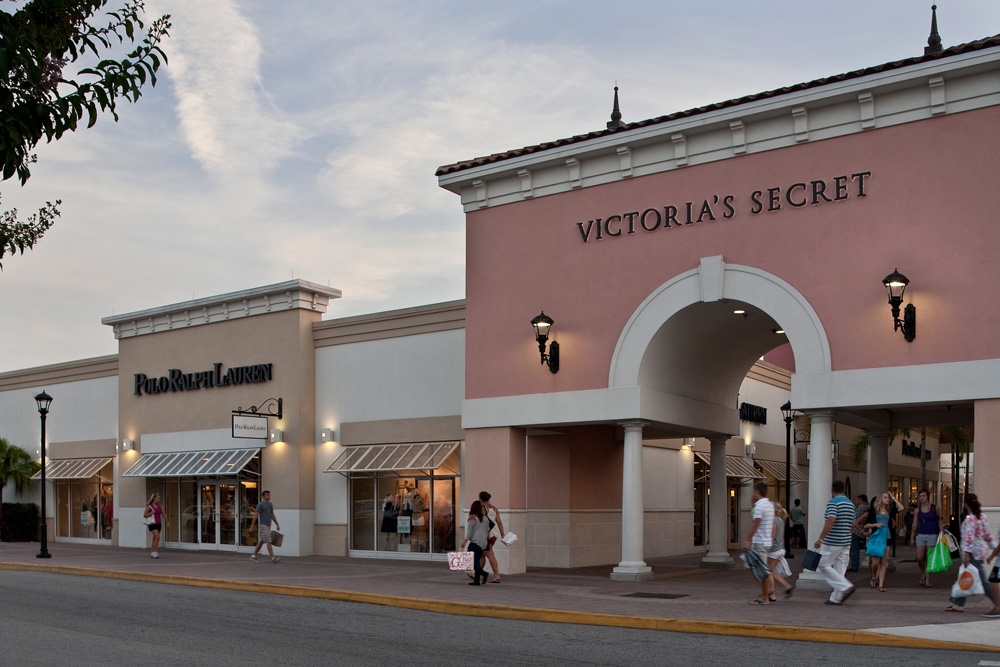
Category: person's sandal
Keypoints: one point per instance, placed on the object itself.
(954, 609)
(771, 598)
(758, 602)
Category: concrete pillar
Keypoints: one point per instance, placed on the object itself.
(632, 567)
(820, 472)
(718, 508)
(878, 464)
(986, 458)
(820, 481)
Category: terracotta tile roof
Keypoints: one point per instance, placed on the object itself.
(528, 150)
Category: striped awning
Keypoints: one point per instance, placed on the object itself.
(72, 468)
(390, 458)
(735, 467)
(210, 463)
(777, 471)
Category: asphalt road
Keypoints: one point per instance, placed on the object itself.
(54, 619)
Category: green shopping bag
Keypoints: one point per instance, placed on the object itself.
(938, 558)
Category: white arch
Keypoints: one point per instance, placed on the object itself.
(714, 280)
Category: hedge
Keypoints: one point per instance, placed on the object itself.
(20, 522)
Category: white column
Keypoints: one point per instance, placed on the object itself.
(820, 471)
(820, 481)
(632, 567)
(718, 508)
(878, 464)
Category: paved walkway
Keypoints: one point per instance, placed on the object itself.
(682, 596)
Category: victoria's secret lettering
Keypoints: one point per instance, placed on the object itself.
(710, 209)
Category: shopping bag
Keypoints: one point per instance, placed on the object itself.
(968, 582)
(939, 558)
(811, 560)
(877, 542)
(276, 538)
(460, 561)
(949, 539)
(756, 564)
(509, 539)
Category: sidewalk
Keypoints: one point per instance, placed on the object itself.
(682, 597)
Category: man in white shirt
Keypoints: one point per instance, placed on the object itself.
(759, 539)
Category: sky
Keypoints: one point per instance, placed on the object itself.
(300, 139)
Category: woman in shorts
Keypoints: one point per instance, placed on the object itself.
(155, 509)
(927, 525)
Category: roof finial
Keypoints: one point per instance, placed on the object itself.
(616, 114)
(934, 41)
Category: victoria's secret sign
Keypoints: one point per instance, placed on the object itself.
(710, 209)
(176, 380)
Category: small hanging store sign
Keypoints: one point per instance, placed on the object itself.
(247, 426)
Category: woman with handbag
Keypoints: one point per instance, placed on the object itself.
(477, 535)
(976, 544)
(153, 518)
(927, 525)
(879, 521)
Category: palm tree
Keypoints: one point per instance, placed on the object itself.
(17, 467)
(862, 441)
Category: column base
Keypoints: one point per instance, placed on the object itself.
(632, 573)
(812, 581)
(718, 560)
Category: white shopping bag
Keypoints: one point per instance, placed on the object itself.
(460, 561)
(509, 539)
(968, 582)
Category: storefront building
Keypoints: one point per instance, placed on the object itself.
(702, 269)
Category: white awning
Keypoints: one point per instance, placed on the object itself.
(211, 463)
(777, 471)
(389, 458)
(735, 467)
(72, 468)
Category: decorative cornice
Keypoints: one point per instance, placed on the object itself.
(288, 295)
(839, 106)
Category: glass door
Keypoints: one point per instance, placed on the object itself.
(217, 514)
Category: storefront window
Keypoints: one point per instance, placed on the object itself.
(85, 508)
(403, 514)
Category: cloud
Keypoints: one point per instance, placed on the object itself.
(232, 127)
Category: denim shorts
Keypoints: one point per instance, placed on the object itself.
(926, 540)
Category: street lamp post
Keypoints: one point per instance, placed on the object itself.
(44, 401)
(786, 413)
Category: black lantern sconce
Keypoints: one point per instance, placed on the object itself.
(895, 284)
(542, 324)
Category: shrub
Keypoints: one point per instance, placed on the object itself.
(20, 522)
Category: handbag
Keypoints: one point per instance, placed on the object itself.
(968, 582)
(939, 558)
(877, 542)
(492, 525)
(460, 561)
(148, 520)
(811, 560)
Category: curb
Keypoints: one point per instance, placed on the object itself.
(759, 630)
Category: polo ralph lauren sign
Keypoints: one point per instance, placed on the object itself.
(177, 380)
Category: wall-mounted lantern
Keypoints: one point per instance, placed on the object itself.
(895, 284)
(542, 323)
